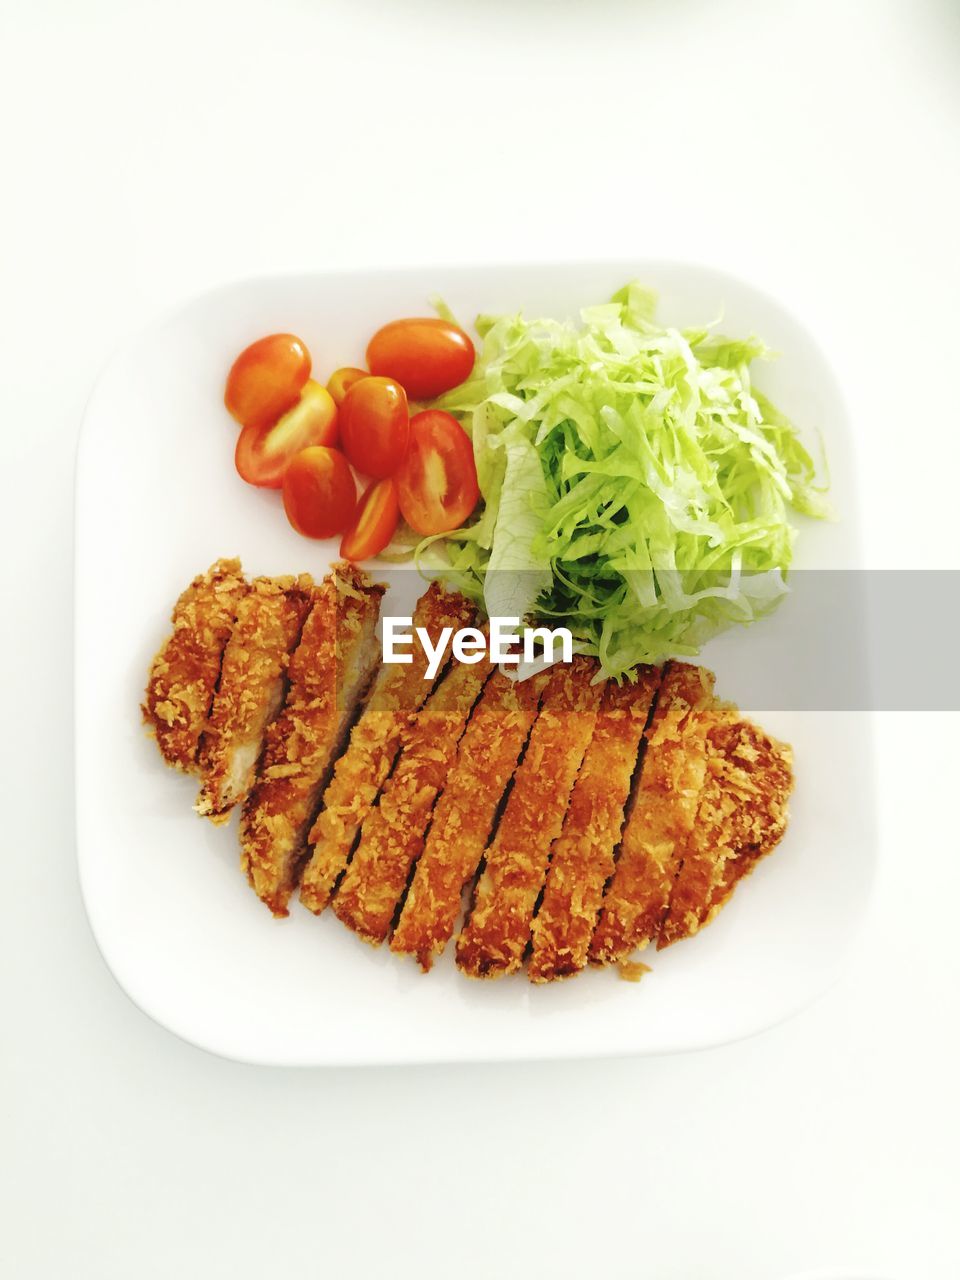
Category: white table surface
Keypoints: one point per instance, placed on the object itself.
(153, 150)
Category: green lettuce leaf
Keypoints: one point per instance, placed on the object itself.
(636, 486)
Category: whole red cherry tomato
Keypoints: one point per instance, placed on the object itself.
(266, 379)
(427, 355)
(319, 492)
(375, 426)
(342, 380)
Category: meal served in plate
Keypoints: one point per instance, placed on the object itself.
(618, 476)
(565, 818)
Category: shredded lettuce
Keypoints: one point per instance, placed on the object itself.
(636, 485)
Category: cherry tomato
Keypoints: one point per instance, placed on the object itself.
(342, 380)
(437, 482)
(426, 356)
(266, 380)
(375, 426)
(263, 454)
(319, 493)
(374, 523)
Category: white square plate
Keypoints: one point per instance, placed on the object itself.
(158, 500)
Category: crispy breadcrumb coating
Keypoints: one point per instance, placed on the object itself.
(465, 813)
(392, 835)
(664, 810)
(184, 673)
(742, 816)
(329, 671)
(495, 937)
(251, 689)
(398, 692)
(599, 817)
(582, 858)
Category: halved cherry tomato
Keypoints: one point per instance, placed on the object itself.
(374, 523)
(264, 453)
(319, 492)
(437, 482)
(427, 355)
(342, 380)
(266, 380)
(375, 426)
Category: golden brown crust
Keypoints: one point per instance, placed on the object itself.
(495, 937)
(464, 814)
(392, 835)
(742, 816)
(582, 858)
(572, 854)
(183, 676)
(250, 691)
(663, 812)
(398, 692)
(329, 670)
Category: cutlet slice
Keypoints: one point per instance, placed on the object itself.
(742, 816)
(398, 692)
(329, 671)
(582, 858)
(392, 835)
(270, 618)
(662, 816)
(184, 673)
(495, 937)
(465, 814)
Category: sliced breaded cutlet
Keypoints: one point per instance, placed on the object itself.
(664, 809)
(329, 672)
(184, 674)
(495, 937)
(582, 858)
(250, 692)
(464, 815)
(742, 816)
(398, 692)
(392, 835)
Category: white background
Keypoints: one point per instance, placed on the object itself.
(152, 150)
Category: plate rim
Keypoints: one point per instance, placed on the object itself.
(841, 956)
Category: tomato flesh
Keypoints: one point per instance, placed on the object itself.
(437, 483)
(375, 426)
(319, 492)
(264, 453)
(342, 380)
(426, 355)
(374, 523)
(266, 379)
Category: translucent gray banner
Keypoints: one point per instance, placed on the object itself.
(838, 640)
(876, 640)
